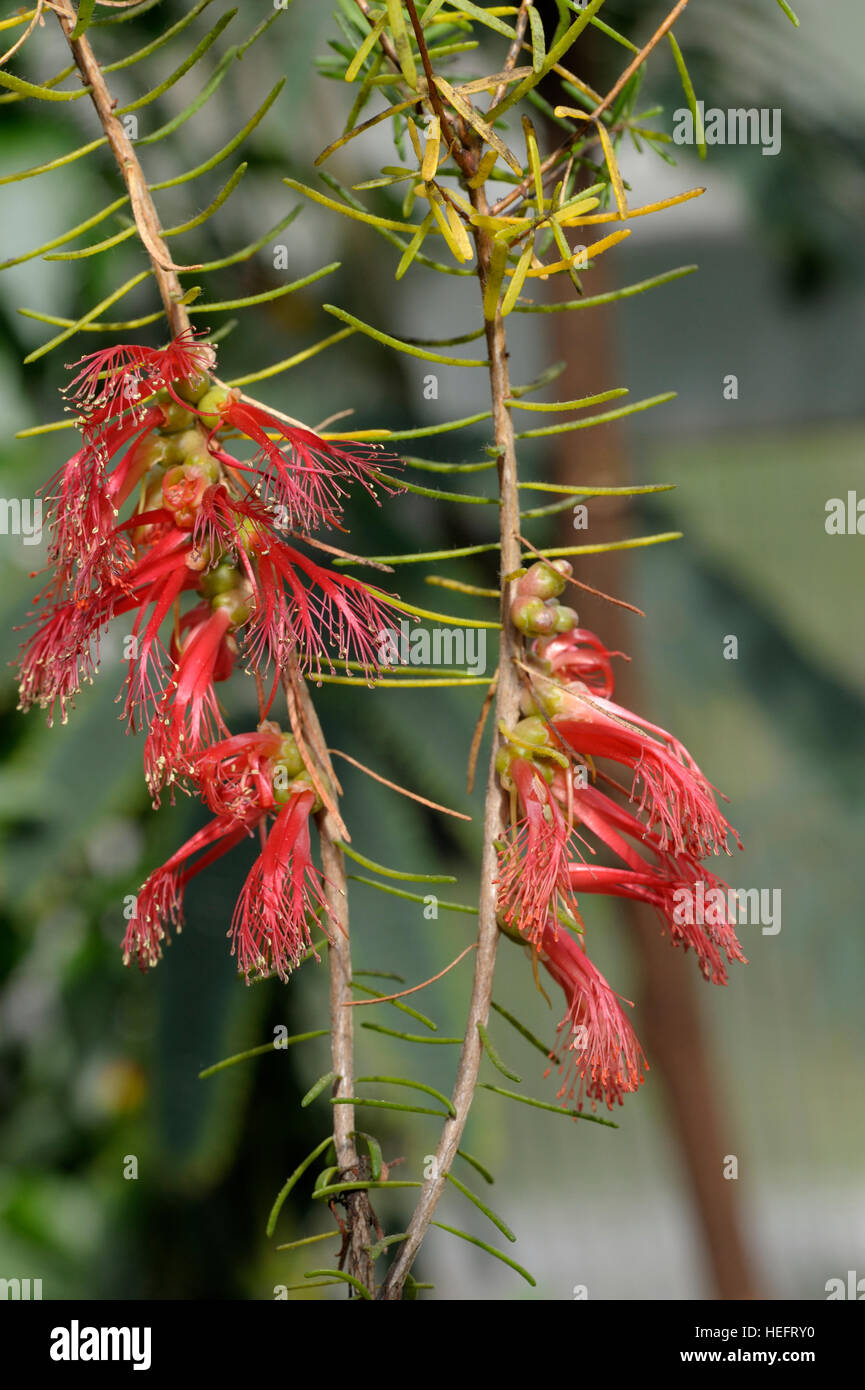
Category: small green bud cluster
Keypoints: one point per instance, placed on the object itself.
(288, 775)
(530, 740)
(534, 610)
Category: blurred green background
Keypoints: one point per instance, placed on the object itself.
(99, 1063)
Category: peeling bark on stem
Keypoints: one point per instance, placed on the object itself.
(143, 209)
(359, 1223)
(506, 710)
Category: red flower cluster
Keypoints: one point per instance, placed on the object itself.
(558, 815)
(252, 782)
(153, 507)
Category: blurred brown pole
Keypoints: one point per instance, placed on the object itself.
(669, 1016)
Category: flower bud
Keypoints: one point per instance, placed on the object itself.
(211, 403)
(174, 417)
(237, 604)
(566, 618)
(533, 617)
(532, 730)
(551, 697)
(220, 580)
(153, 451)
(190, 446)
(289, 755)
(543, 580)
(247, 533)
(503, 766)
(194, 388)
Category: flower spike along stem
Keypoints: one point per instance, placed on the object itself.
(507, 700)
(211, 505)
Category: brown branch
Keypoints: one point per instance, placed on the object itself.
(395, 787)
(401, 994)
(507, 710)
(455, 140)
(360, 1220)
(384, 42)
(514, 50)
(143, 209)
(638, 61)
(553, 160)
(19, 43)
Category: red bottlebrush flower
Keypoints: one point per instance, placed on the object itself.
(675, 795)
(270, 929)
(600, 1048)
(235, 776)
(664, 894)
(298, 608)
(533, 873)
(199, 523)
(114, 391)
(301, 618)
(159, 906)
(672, 881)
(578, 655)
(247, 779)
(188, 715)
(63, 652)
(303, 476)
(85, 545)
(60, 656)
(116, 379)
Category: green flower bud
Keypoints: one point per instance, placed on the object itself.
(289, 755)
(543, 581)
(154, 451)
(193, 389)
(190, 446)
(532, 730)
(550, 696)
(237, 604)
(301, 783)
(566, 618)
(533, 617)
(174, 417)
(503, 766)
(210, 403)
(247, 532)
(220, 580)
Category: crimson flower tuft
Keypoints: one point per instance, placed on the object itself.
(678, 800)
(598, 1047)
(301, 475)
(252, 782)
(154, 426)
(561, 820)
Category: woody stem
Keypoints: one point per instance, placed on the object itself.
(359, 1220)
(143, 209)
(495, 811)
